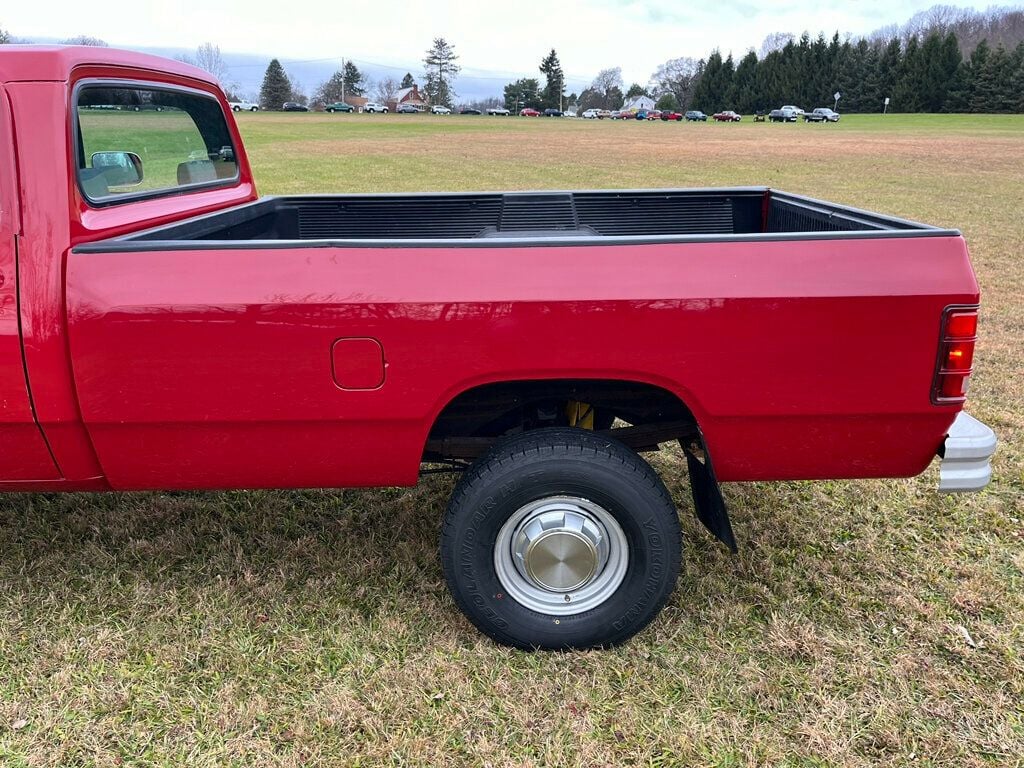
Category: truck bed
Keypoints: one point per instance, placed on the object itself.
(524, 218)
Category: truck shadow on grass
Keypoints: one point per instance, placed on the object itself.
(371, 556)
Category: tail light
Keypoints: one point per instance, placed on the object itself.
(956, 354)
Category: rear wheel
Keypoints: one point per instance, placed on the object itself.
(560, 538)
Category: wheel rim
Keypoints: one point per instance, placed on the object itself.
(561, 555)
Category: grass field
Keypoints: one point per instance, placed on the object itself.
(862, 623)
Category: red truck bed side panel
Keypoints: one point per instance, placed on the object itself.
(212, 368)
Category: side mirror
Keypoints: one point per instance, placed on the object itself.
(120, 169)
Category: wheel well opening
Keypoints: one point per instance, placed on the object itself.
(640, 415)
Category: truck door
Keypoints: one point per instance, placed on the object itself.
(24, 455)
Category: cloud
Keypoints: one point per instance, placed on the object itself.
(493, 38)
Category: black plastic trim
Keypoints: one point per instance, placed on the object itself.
(936, 397)
(185, 234)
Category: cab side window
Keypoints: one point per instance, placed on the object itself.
(139, 142)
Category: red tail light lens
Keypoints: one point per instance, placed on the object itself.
(956, 354)
(962, 325)
(959, 355)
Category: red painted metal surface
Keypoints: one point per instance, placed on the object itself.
(54, 216)
(800, 360)
(213, 368)
(358, 363)
(24, 455)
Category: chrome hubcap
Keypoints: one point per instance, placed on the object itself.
(561, 555)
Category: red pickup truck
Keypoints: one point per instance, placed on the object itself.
(162, 327)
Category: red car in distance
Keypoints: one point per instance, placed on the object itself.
(728, 116)
(529, 112)
(670, 115)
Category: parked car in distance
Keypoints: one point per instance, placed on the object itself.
(552, 112)
(695, 115)
(570, 113)
(469, 111)
(590, 114)
(728, 116)
(529, 112)
(621, 114)
(339, 106)
(799, 112)
(437, 109)
(500, 111)
(671, 115)
(243, 106)
(294, 106)
(407, 109)
(373, 106)
(784, 115)
(822, 115)
(603, 113)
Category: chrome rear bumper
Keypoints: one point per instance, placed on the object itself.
(966, 454)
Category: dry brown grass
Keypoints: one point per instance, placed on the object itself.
(313, 628)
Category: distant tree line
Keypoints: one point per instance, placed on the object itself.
(944, 59)
(929, 75)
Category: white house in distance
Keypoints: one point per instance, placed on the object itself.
(638, 103)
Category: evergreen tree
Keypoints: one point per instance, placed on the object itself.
(910, 80)
(667, 102)
(441, 68)
(635, 90)
(744, 85)
(726, 82)
(1017, 77)
(522, 93)
(554, 89)
(888, 70)
(869, 94)
(355, 81)
(276, 88)
(982, 88)
(709, 94)
(407, 81)
(993, 88)
(5, 36)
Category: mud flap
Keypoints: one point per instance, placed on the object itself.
(707, 497)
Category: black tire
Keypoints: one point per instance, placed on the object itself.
(560, 462)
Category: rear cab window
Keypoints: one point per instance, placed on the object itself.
(136, 141)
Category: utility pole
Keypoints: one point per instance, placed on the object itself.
(343, 80)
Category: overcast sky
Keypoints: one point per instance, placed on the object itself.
(498, 38)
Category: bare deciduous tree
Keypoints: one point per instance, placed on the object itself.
(776, 41)
(85, 40)
(208, 57)
(677, 77)
(386, 88)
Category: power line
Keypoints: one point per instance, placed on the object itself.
(495, 74)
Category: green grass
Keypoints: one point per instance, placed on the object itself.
(313, 628)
